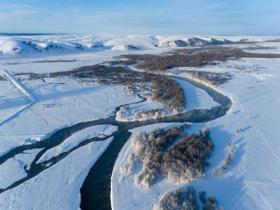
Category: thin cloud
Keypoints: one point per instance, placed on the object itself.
(157, 16)
(12, 11)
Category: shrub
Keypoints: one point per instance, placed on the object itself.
(186, 199)
(212, 77)
(187, 158)
(169, 92)
(227, 160)
(180, 199)
(167, 153)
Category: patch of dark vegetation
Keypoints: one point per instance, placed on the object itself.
(211, 77)
(175, 60)
(187, 158)
(55, 61)
(259, 48)
(255, 68)
(187, 199)
(167, 91)
(195, 57)
(169, 154)
(179, 199)
(108, 75)
(2, 78)
(120, 62)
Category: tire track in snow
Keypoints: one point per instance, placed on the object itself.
(259, 133)
(23, 89)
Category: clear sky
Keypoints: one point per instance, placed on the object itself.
(229, 17)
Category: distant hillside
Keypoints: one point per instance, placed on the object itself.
(21, 45)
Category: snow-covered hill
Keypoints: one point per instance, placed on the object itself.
(24, 46)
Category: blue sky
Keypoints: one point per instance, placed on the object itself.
(229, 17)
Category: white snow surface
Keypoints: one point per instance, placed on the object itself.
(11, 171)
(196, 98)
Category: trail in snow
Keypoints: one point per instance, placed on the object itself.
(14, 114)
(22, 88)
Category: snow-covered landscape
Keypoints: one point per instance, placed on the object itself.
(71, 107)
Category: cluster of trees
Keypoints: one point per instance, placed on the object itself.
(191, 57)
(208, 203)
(181, 199)
(149, 150)
(178, 59)
(187, 199)
(55, 61)
(187, 158)
(104, 74)
(167, 153)
(212, 77)
(168, 92)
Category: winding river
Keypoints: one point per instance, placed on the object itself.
(95, 191)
